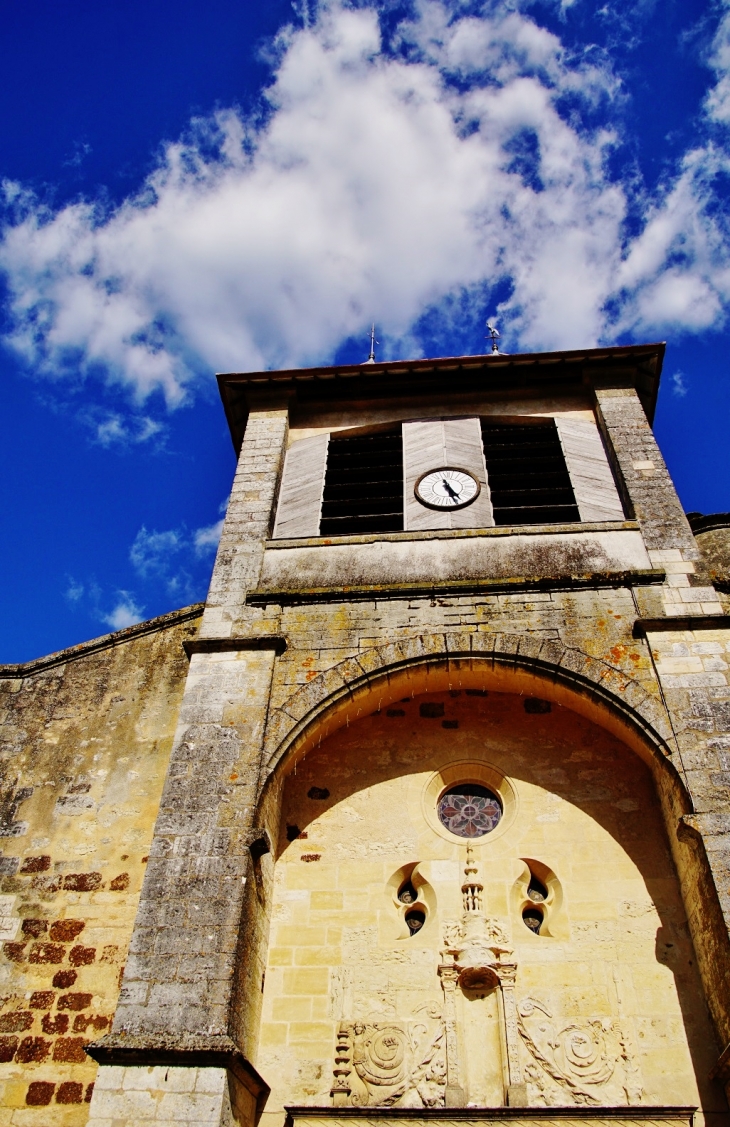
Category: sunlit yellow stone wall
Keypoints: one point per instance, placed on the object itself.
(609, 1001)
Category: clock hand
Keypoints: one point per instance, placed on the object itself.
(451, 492)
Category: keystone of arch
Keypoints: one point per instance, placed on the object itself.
(548, 658)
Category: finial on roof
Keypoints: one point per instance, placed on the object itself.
(494, 336)
(373, 342)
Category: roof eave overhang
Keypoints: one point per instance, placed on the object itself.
(637, 366)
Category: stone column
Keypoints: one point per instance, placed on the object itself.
(454, 1095)
(516, 1087)
(175, 1005)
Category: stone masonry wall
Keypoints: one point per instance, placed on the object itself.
(84, 747)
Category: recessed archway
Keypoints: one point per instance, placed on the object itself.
(354, 822)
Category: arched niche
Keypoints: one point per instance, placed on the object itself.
(315, 778)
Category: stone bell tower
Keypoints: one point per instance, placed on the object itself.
(444, 830)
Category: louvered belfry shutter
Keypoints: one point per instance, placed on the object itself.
(434, 443)
(590, 474)
(302, 484)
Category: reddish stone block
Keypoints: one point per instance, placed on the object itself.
(34, 927)
(70, 1050)
(40, 1093)
(46, 953)
(54, 1025)
(97, 1022)
(15, 1022)
(81, 956)
(8, 1045)
(89, 1092)
(63, 931)
(82, 882)
(15, 952)
(42, 999)
(74, 1001)
(120, 883)
(32, 1050)
(70, 1092)
(36, 865)
(62, 979)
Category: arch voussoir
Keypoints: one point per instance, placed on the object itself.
(549, 658)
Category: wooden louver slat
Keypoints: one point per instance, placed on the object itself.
(593, 484)
(300, 496)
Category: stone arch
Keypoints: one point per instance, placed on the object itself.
(506, 662)
(632, 708)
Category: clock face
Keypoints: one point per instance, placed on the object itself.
(447, 488)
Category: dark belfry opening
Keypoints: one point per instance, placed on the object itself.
(363, 486)
(528, 478)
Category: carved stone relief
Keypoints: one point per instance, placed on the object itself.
(387, 1064)
(587, 1059)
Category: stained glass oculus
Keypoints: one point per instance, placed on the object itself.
(469, 810)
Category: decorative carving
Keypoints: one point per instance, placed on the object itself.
(472, 888)
(449, 975)
(587, 1058)
(453, 934)
(343, 1054)
(341, 993)
(397, 1063)
(477, 954)
(478, 944)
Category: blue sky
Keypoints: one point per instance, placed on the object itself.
(198, 187)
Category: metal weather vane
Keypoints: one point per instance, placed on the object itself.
(494, 336)
(373, 342)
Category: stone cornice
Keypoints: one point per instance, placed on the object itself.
(455, 588)
(633, 366)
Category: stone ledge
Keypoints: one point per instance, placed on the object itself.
(186, 1050)
(276, 642)
(644, 626)
(460, 533)
(454, 588)
(303, 1116)
(106, 641)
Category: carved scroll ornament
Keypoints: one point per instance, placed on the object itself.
(401, 1063)
(587, 1058)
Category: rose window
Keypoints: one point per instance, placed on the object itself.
(469, 810)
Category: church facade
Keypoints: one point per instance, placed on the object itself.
(423, 815)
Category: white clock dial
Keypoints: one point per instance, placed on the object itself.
(447, 488)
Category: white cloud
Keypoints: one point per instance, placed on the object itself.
(114, 429)
(679, 385)
(75, 591)
(152, 552)
(376, 188)
(170, 556)
(717, 103)
(206, 539)
(125, 613)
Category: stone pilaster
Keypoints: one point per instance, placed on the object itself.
(692, 669)
(650, 492)
(175, 1005)
(249, 519)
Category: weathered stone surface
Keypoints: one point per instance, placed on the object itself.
(300, 793)
(97, 727)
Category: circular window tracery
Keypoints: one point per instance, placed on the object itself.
(469, 810)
